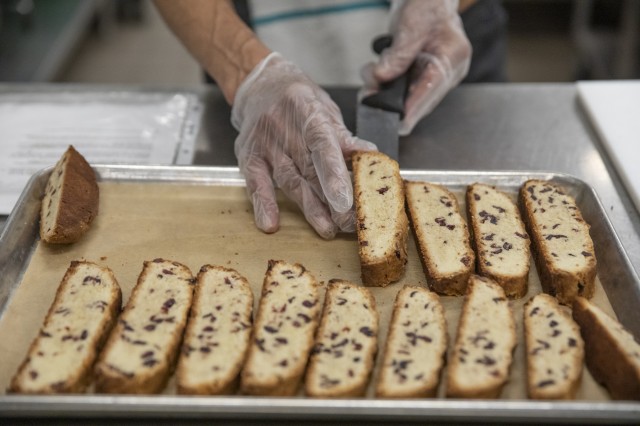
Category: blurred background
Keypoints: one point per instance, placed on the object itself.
(126, 41)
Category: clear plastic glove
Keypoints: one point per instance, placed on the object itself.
(428, 34)
(292, 133)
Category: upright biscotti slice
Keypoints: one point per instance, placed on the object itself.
(218, 333)
(416, 346)
(555, 350)
(482, 354)
(83, 312)
(346, 343)
(442, 237)
(381, 220)
(562, 248)
(70, 200)
(285, 324)
(499, 237)
(141, 351)
(611, 352)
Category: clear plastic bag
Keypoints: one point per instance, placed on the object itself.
(106, 127)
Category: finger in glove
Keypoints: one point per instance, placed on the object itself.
(299, 190)
(263, 196)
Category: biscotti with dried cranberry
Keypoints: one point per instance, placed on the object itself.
(285, 324)
(554, 348)
(479, 364)
(141, 351)
(83, 312)
(562, 248)
(70, 200)
(612, 354)
(218, 332)
(500, 239)
(381, 221)
(345, 344)
(416, 346)
(442, 237)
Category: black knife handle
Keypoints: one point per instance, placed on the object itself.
(381, 42)
(391, 94)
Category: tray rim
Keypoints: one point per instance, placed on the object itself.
(246, 407)
(179, 406)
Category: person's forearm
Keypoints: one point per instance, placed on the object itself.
(214, 34)
(465, 4)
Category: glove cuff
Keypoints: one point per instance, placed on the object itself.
(240, 101)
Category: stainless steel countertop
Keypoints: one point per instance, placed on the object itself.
(477, 127)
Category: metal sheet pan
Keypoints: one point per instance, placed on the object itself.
(618, 278)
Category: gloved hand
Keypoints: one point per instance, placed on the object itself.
(428, 34)
(291, 130)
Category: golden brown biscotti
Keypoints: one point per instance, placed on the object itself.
(83, 312)
(442, 237)
(479, 364)
(218, 332)
(554, 348)
(70, 200)
(499, 238)
(381, 221)
(285, 324)
(416, 346)
(141, 351)
(345, 344)
(611, 352)
(562, 248)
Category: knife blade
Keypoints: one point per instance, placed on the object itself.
(378, 115)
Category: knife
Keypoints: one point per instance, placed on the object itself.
(378, 116)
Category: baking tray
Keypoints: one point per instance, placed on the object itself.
(19, 241)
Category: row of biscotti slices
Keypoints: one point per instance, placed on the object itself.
(85, 338)
(142, 342)
(479, 363)
(562, 247)
(221, 344)
(556, 345)
(481, 357)
(215, 325)
(342, 357)
(214, 322)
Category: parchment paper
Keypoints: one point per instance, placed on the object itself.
(198, 225)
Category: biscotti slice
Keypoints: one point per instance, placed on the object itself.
(346, 343)
(381, 220)
(218, 333)
(482, 354)
(555, 350)
(70, 200)
(500, 239)
(285, 324)
(611, 352)
(442, 237)
(83, 312)
(416, 346)
(562, 248)
(142, 348)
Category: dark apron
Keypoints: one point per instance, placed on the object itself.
(485, 23)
